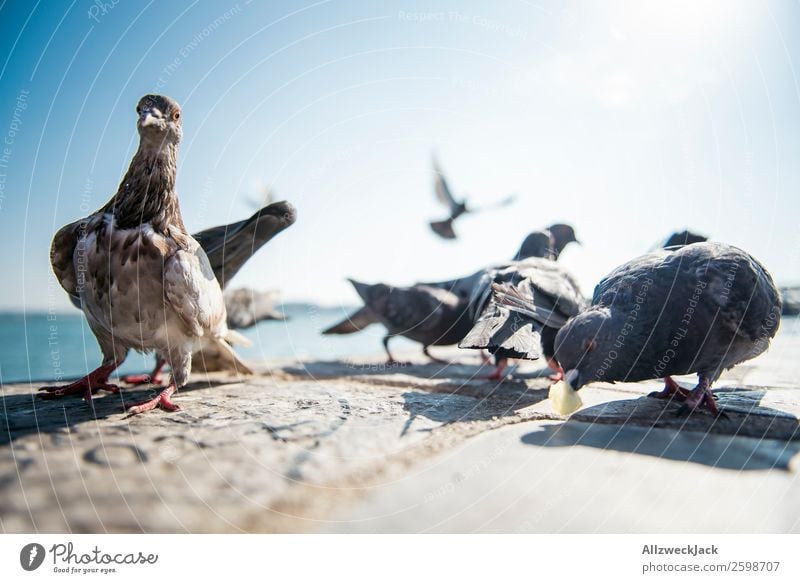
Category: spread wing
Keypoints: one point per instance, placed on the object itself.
(443, 194)
(355, 322)
(229, 247)
(193, 292)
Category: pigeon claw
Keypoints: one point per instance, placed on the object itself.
(142, 379)
(671, 389)
(700, 398)
(85, 386)
(162, 400)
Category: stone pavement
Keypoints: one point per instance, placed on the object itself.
(349, 447)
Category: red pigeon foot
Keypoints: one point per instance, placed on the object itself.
(671, 389)
(91, 383)
(701, 398)
(497, 373)
(162, 400)
(155, 377)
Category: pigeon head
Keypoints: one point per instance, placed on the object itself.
(581, 346)
(537, 244)
(159, 120)
(684, 238)
(563, 235)
(374, 296)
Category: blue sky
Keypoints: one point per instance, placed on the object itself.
(626, 119)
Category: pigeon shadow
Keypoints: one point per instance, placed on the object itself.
(462, 405)
(429, 370)
(23, 414)
(748, 437)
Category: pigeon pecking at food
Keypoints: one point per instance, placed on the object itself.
(228, 248)
(544, 296)
(456, 208)
(425, 314)
(142, 281)
(701, 308)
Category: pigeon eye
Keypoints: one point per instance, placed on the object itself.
(176, 115)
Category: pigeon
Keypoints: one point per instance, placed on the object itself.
(456, 208)
(247, 307)
(545, 296)
(685, 237)
(562, 235)
(428, 315)
(537, 244)
(700, 308)
(228, 248)
(143, 282)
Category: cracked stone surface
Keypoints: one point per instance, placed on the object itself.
(360, 447)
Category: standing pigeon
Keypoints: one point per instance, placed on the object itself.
(561, 235)
(685, 237)
(456, 208)
(428, 315)
(701, 308)
(247, 307)
(537, 244)
(228, 248)
(143, 282)
(544, 295)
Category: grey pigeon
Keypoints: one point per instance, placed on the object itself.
(545, 296)
(685, 237)
(228, 248)
(536, 244)
(456, 208)
(701, 308)
(561, 235)
(428, 315)
(143, 282)
(247, 307)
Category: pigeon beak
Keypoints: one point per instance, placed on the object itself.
(148, 117)
(573, 377)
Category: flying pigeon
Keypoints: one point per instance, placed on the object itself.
(544, 295)
(428, 315)
(142, 281)
(455, 208)
(700, 308)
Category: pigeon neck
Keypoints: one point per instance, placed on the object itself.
(147, 191)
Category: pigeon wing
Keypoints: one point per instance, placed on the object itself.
(62, 256)
(191, 289)
(229, 247)
(355, 322)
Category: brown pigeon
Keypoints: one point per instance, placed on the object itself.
(143, 282)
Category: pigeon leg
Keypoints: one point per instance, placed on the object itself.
(486, 358)
(91, 383)
(671, 389)
(427, 353)
(390, 361)
(161, 400)
(559, 372)
(154, 377)
(497, 373)
(701, 397)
